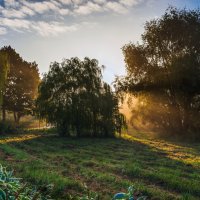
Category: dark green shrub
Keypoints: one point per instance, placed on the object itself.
(8, 128)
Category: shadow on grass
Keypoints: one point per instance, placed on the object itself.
(159, 169)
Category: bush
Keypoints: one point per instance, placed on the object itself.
(11, 188)
(8, 127)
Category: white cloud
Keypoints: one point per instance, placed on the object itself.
(27, 11)
(52, 29)
(88, 9)
(78, 2)
(42, 28)
(11, 3)
(25, 8)
(3, 31)
(41, 7)
(23, 15)
(65, 2)
(16, 24)
(100, 1)
(12, 13)
(116, 7)
(64, 11)
(130, 2)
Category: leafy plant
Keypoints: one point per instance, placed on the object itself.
(11, 188)
(130, 195)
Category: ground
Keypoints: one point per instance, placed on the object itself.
(158, 168)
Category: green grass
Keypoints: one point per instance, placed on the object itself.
(157, 168)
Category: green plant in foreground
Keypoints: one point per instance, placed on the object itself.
(130, 195)
(12, 189)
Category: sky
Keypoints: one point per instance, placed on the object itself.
(50, 30)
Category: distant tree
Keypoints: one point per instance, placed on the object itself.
(4, 68)
(21, 86)
(73, 96)
(164, 71)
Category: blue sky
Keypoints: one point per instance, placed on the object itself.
(50, 30)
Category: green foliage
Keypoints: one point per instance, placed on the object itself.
(21, 86)
(11, 188)
(9, 128)
(163, 72)
(73, 96)
(130, 195)
(4, 68)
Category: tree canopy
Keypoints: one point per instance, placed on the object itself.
(163, 71)
(73, 96)
(21, 86)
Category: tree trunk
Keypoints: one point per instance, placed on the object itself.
(15, 116)
(186, 114)
(18, 117)
(186, 121)
(94, 125)
(180, 128)
(3, 113)
(78, 130)
(63, 129)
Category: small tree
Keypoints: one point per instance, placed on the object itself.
(73, 96)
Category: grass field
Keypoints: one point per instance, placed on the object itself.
(159, 169)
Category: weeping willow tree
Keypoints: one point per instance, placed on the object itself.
(73, 96)
(4, 68)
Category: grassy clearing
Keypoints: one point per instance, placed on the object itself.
(159, 169)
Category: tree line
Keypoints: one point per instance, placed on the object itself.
(163, 73)
(72, 96)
